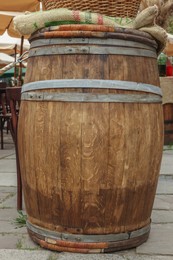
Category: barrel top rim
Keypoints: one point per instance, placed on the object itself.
(119, 33)
(116, 30)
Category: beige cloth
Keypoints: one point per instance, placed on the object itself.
(145, 21)
(166, 84)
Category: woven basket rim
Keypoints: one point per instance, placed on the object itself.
(113, 8)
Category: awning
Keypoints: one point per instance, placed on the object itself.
(11, 8)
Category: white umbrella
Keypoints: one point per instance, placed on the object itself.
(8, 44)
(5, 58)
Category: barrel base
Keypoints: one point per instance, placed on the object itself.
(87, 243)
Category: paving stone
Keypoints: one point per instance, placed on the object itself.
(42, 254)
(28, 243)
(3, 196)
(7, 154)
(8, 200)
(116, 256)
(24, 255)
(17, 241)
(165, 187)
(11, 202)
(8, 178)
(10, 241)
(163, 202)
(162, 216)
(11, 227)
(7, 166)
(144, 257)
(7, 189)
(47, 255)
(8, 145)
(166, 164)
(8, 214)
(167, 150)
(11, 156)
(160, 241)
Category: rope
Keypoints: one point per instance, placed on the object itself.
(11, 65)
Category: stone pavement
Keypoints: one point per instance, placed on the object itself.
(15, 243)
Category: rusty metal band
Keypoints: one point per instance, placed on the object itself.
(91, 84)
(91, 97)
(118, 50)
(92, 41)
(48, 235)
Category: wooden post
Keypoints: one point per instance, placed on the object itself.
(15, 68)
(20, 65)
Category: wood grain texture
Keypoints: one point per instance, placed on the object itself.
(90, 168)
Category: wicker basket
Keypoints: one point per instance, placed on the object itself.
(114, 8)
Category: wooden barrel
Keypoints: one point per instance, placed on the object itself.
(90, 139)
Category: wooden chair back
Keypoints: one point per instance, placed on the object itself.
(14, 97)
(5, 114)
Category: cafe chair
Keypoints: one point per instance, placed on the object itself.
(5, 114)
(14, 97)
